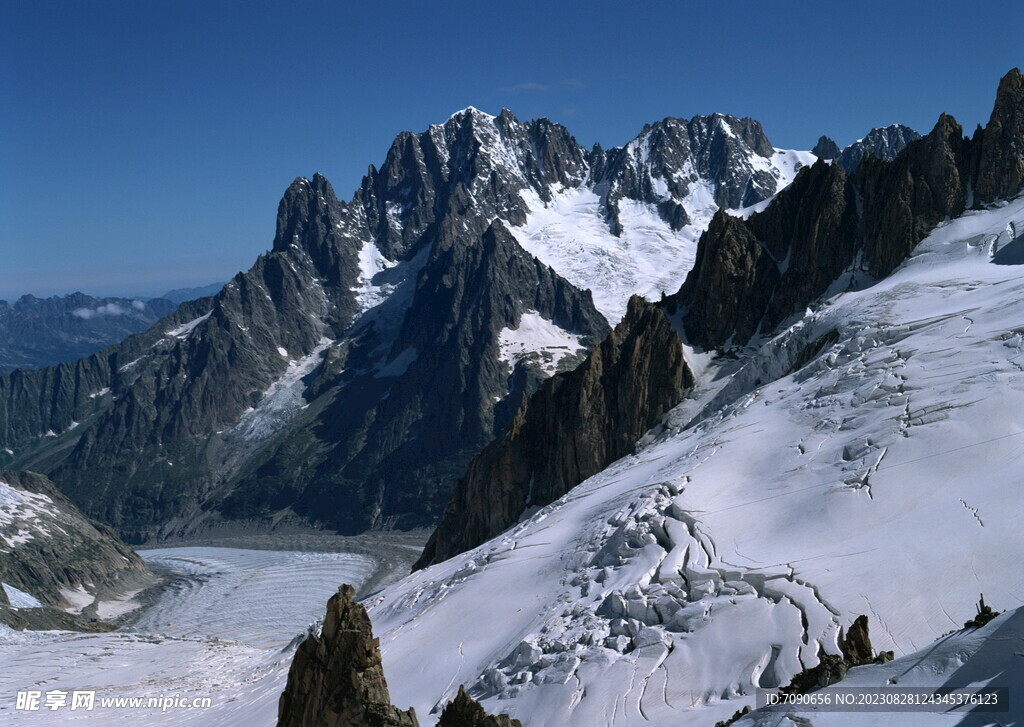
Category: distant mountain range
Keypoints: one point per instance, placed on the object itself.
(39, 332)
(180, 295)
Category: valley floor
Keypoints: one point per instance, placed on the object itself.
(224, 627)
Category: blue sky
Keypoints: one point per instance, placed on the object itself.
(145, 146)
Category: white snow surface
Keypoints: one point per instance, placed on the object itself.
(571, 235)
(226, 630)
(18, 598)
(184, 329)
(968, 660)
(882, 479)
(282, 400)
(23, 515)
(539, 337)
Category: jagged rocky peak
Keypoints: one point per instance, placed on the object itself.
(576, 424)
(903, 200)
(669, 160)
(309, 218)
(884, 142)
(336, 678)
(486, 160)
(750, 275)
(826, 148)
(1001, 157)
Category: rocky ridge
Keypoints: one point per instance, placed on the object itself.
(752, 274)
(56, 559)
(575, 425)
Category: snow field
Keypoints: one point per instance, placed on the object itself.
(225, 629)
(882, 478)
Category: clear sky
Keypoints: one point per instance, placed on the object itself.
(145, 146)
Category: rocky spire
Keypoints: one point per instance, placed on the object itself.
(1001, 158)
(826, 148)
(336, 678)
(464, 711)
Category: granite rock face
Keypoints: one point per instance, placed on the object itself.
(751, 275)
(575, 425)
(336, 678)
(53, 553)
(663, 163)
(1000, 165)
(826, 148)
(884, 143)
(354, 371)
(360, 352)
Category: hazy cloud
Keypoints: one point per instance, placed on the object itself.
(109, 309)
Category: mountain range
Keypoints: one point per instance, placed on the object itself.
(352, 373)
(687, 414)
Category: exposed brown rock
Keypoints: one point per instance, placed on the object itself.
(984, 615)
(1001, 160)
(336, 678)
(577, 424)
(831, 668)
(751, 275)
(902, 201)
(464, 711)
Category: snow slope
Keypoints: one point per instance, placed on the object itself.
(226, 629)
(571, 235)
(881, 478)
(966, 660)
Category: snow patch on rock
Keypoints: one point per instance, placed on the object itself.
(282, 400)
(23, 515)
(538, 338)
(19, 599)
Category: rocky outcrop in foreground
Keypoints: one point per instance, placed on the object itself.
(577, 424)
(464, 711)
(856, 651)
(337, 680)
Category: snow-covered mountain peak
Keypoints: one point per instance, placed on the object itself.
(471, 112)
